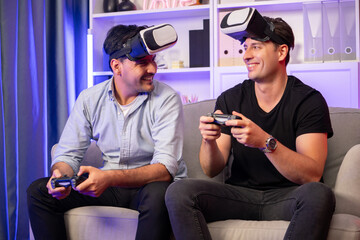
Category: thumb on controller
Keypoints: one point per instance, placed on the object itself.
(56, 174)
(83, 169)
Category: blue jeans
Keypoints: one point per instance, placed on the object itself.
(47, 213)
(192, 203)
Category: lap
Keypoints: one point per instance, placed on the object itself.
(113, 196)
(218, 201)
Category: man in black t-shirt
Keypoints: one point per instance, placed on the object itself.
(279, 147)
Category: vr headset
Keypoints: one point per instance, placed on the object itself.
(147, 42)
(248, 22)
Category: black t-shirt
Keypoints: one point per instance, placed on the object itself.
(301, 110)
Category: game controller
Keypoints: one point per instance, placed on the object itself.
(67, 181)
(220, 119)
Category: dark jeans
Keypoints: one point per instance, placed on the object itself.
(47, 213)
(192, 203)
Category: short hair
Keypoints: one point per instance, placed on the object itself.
(118, 35)
(283, 30)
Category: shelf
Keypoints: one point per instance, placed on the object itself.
(164, 71)
(208, 82)
(189, 11)
(103, 73)
(303, 67)
(184, 70)
(280, 5)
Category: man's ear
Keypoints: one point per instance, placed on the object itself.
(116, 66)
(283, 51)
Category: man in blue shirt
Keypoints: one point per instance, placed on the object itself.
(137, 123)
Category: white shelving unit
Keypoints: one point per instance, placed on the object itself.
(338, 81)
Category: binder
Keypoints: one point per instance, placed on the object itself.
(313, 42)
(331, 31)
(199, 46)
(347, 30)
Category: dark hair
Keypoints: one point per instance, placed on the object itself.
(118, 35)
(283, 30)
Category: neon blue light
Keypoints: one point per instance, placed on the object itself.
(3, 146)
(17, 123)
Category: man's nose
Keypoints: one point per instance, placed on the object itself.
(151, 67)
(247, 55)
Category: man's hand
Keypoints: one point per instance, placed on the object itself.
(59, 192)
(209, 132)
(96, 184)
(247, 132)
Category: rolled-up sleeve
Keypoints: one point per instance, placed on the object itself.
(168, 133)
(75, 137)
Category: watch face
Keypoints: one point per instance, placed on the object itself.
(272, 144)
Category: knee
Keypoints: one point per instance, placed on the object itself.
(155, 191)
(37, 185)
(151, 198)
(175, 190)
(319, 196)
(36, 193)
(179, 193)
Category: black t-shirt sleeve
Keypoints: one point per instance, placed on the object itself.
(313, 116)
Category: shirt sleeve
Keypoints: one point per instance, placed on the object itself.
(168, 134)
(313, 116)
(75, 138)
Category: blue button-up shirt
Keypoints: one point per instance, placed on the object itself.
(151, 132)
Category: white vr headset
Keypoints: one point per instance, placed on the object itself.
(248, 22)
(147, 42)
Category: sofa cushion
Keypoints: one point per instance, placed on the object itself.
(347, 190)
(344, 226)
(192, 136)
(346, 126)
(249, 230)
(101, 222)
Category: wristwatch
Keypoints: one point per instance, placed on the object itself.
(271, 145)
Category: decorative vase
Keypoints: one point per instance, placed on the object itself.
(110, 5)
(126, 5)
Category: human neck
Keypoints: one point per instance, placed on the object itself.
(269, 93)
(123, 97)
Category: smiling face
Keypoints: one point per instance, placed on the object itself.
(133, 77)
(262, 59)
(138, 75)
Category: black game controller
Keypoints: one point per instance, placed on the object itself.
(220, 119)
(66, 181)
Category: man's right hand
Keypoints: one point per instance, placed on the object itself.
(209, 132)
(59, 192)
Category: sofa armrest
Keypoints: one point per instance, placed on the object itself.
(347, 190)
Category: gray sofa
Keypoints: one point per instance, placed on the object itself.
(342, 173)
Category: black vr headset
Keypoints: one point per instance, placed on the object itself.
(248, 22)
(147, 42)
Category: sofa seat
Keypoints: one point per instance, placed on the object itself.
(343, 226)
(98, 222)
(101, 222)
(249, 230)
